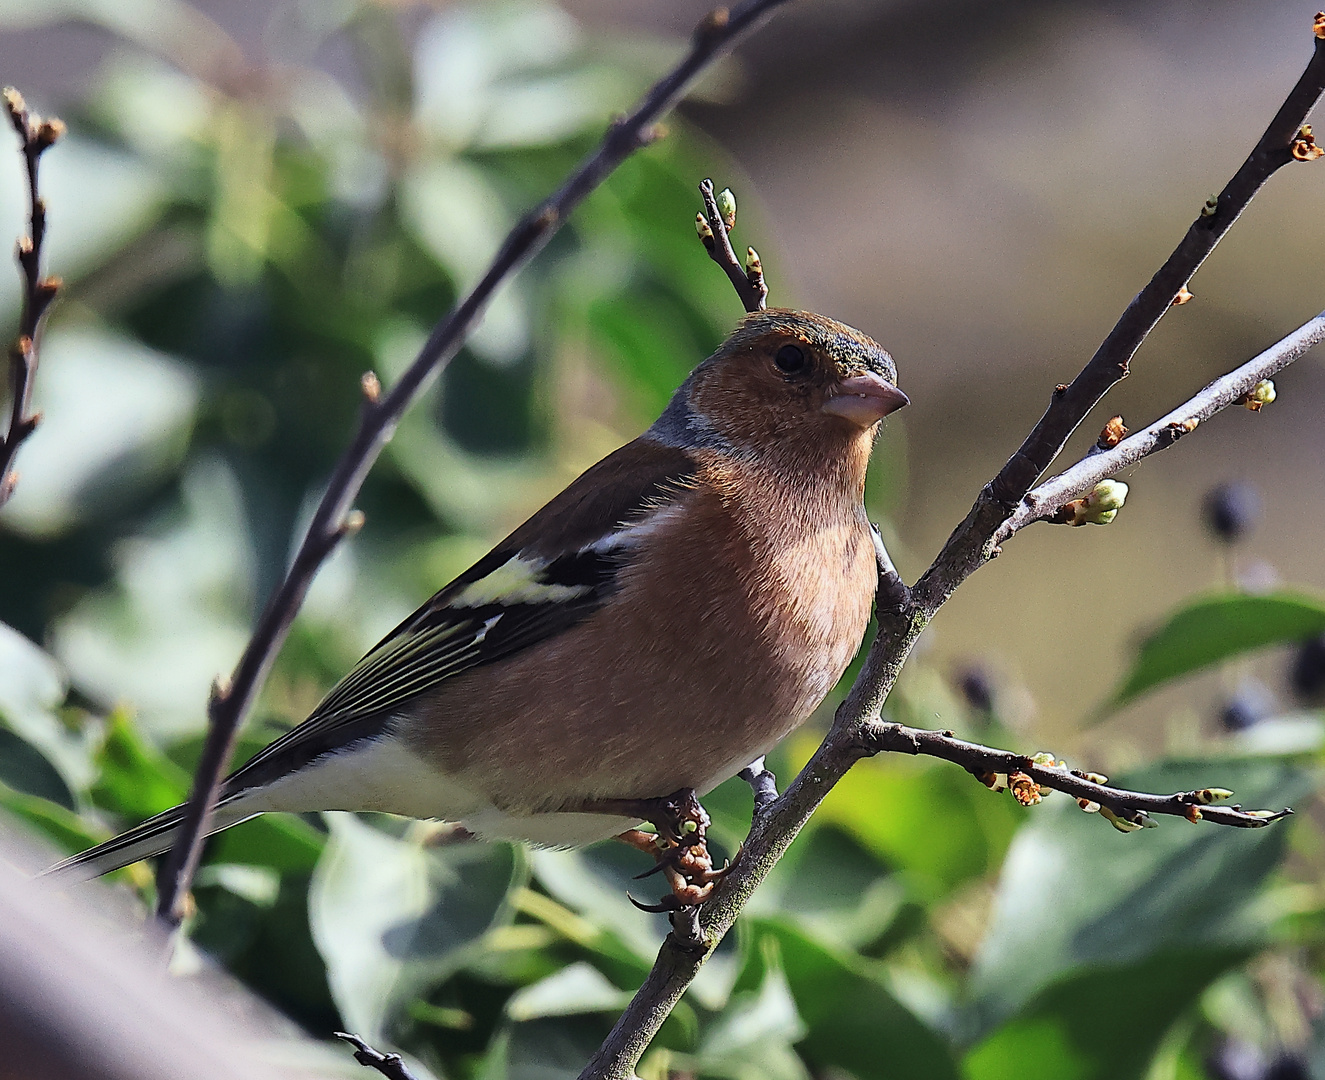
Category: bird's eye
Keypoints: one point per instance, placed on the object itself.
(790, 359)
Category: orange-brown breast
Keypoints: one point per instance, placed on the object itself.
(738, 613)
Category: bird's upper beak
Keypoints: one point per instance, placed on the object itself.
(864, 399)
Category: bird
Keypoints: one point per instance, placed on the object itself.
(659, 625)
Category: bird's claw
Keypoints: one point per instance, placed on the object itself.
(680, 847)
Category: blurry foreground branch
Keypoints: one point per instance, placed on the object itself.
(1004, 505)
(36, 136)
(334, 518)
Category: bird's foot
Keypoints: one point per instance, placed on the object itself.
(680, 846)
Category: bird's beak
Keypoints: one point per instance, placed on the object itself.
(864, 399)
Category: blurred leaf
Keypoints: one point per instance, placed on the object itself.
(576, 988)
(1075, 893)
(1105, 1023)
(392, 918)
(832, 887)
(853, 1021)
(1215, 627)
(282, 842)
(115, 417)
(751, 1039)
(32, 688)
(136, 780)
(594, 883)
(928, 820)
(179, 615)
(23, 768)
(63, 828)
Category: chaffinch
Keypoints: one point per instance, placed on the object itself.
(659, 625)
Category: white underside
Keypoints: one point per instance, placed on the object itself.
(384, 776)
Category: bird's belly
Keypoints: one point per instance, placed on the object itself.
(591, 716)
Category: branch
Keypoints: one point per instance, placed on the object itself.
(857, 730)
(36, 136)
(1230, 389)
(391, 1066)
(231, 700)
(715, 226)
(1028, 777)
(972, 543)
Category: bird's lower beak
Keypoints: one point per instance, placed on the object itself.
(864, 399)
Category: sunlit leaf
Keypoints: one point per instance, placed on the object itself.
(1075, 894)
(391, 917)
(576, 988)
(852, 1021)
(1214, 628)
(1105, 1023)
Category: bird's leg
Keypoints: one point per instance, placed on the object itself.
(763, 785)
(679, 846)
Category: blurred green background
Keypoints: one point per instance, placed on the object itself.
(260, 201)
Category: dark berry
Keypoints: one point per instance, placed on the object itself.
(977, 688)
(1307, 674)
(1231, 511)
(1288, 1067)
(1251, 704)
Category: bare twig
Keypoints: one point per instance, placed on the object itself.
(391, 1066)
(230, 701)
(972, 543)
(36, 136)
(1230, 389)
(858, 730)
(1130, 806)
(715, 233)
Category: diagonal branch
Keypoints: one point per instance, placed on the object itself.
(334, 519)
(857, 730)
(36, 137)
(972, 544)
(1227, 390)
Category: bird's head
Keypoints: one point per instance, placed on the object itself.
(790, 380)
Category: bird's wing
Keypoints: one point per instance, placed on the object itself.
(551, 573)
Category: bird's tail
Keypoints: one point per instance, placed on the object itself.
(155, 836)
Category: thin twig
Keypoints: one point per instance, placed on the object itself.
(748, 281)
(391, 1066)
(1230, 389)
(971, 544)
(857, 730)
(1131, 806)
(333, 520)
(36, 136)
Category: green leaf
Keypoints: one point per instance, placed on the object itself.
(136, 779)
(853, 1021)
(1103, 1024)
(576, 988)
(392, 918)
(1075, 894)
(927, 820)
(1215, 627)
(62, 827)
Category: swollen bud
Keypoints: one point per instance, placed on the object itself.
(1260, 395)
(727, 207)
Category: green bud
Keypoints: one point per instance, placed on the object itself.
(727, 207)
(1260, 395)
(702, 228)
